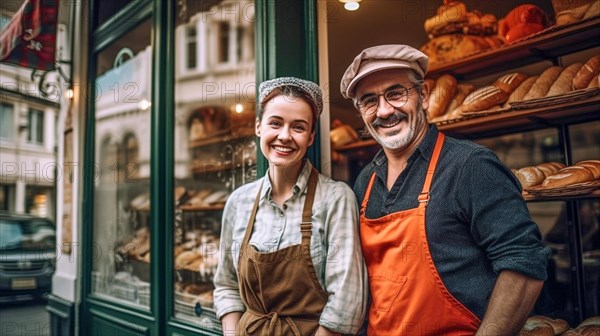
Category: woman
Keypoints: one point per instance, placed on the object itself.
(290, 261)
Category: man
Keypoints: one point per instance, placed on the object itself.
(447, 238)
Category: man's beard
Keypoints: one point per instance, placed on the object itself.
(388, 141)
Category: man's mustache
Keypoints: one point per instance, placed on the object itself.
(396, 117)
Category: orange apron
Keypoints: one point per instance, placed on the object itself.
(408, 295)
(280, 289)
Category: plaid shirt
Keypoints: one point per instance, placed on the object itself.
(335, 245)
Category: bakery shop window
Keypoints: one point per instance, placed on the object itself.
(191, 45)
(121, 220)
(215, 148)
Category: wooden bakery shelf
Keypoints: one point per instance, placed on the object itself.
(552, 42)
(572, 112)
(229, 136)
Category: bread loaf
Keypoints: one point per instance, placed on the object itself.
(484, 98)
(537, 329)
(521, 91)
(586, 74)
(462, 91)
(593, 10)
(549, 168)
(588, 330)
(530, 176)
(447, 48)
(541, 86)
(450, 18)
(568, 176)
(593, 320)
(594, 83)
(559, 326)
(509, 82)
(564, 82)
(442, 93)
(591, 165)
(572, 14)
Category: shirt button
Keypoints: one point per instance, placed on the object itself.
(279, 228)
(281, 214)
(284, 206)
(274, 240)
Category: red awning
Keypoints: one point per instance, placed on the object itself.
(29, 39)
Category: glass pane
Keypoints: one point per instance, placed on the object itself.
(6, 121)
(106, 9)
(121, 263)
(215, 149)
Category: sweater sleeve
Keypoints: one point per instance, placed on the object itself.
(499, 220)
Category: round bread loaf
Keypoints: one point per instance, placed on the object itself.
(564, 82)
(559, 326)
(509, 82)
(484, 98)
(536, 329)
(541, 86)
(568, 176)
(521, 91)
(587, 73)
(592, 165)
(443, 91)
(549, 168)
(530, 176)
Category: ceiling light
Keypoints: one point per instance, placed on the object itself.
(351, 5)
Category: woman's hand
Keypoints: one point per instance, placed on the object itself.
(322, 331)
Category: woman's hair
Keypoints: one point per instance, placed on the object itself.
(292, 92)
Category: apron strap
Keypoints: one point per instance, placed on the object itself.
(250, 225)
(306, 225)
(363, 207)
(424, 196)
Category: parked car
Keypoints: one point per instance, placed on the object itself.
(27, 254)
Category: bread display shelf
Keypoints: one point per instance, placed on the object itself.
(229, 136)
(552, 42)
(571, 111)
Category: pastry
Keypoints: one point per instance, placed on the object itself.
(447, 48)
(591, 165)
(450, 18)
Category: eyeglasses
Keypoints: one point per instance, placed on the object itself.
(396, 96)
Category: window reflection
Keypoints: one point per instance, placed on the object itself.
(121, 227)
(215, 149)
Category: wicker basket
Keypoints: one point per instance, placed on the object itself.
(571, 190)
(561, 5)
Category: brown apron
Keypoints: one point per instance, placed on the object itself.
(280, 289)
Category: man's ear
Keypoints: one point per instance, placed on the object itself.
(257, 128)
(425, 89)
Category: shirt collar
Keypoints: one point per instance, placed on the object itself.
(299, 186)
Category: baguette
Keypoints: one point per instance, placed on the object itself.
(594, 83)
(541, 86)
(442, 93)
(593, 10)
(568, 176)
(521, 91)
(587, 73)
(549, 168)
(483, 99)
(591, 165)
(564, 82)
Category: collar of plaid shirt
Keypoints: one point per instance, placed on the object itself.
(29, 39)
